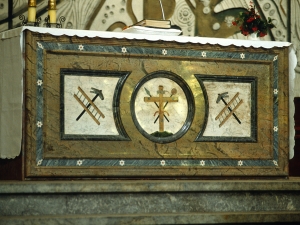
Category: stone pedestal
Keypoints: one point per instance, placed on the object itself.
(150, 202)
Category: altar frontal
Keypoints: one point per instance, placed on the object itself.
(107, 107)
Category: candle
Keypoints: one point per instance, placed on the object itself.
(31, 10)
(52, 11)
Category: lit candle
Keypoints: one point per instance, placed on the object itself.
(31, 10)
(52, 11)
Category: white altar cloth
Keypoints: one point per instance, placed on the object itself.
(12, 69)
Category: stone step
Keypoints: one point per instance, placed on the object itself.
(274, 217)
(149, 201)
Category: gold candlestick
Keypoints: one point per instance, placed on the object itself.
(52, 11)
(31, 10)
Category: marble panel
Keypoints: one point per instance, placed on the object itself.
(231, 108)
(73, 110)
(215, 126)
(123, 145)
(88, 100)
(146, 113)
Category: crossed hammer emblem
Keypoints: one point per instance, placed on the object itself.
(229, 109)
(90, 107)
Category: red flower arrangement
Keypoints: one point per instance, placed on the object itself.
(250, 22)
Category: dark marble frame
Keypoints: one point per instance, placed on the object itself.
(122, 75)
(234, 79)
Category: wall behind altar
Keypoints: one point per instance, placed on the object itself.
(207, 18)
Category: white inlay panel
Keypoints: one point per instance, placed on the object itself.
(86, 124)
(145, 110)
(231, 127)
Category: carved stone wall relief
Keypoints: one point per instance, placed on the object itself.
(295, 38)
(209, 18)
(277, 10)
(113, 15)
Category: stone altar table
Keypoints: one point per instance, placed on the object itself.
(151, 201)
(95, 100)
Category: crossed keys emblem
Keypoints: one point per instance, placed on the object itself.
(161, 102)
(229, 108)
(89, 105)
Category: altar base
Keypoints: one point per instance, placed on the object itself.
(150, 202)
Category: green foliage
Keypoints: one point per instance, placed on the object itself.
(161, 134)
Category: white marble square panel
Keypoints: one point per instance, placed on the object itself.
(86, 125)
(234, 119)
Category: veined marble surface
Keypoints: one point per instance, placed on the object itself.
(149, 202)
(86, 125)
(231, 128)
(131, 186)
(176, 111)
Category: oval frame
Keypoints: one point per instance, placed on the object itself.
(190, 102)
